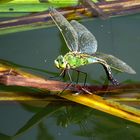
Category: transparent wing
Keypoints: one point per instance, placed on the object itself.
(86, 40)
(69, 34)
(115, 63)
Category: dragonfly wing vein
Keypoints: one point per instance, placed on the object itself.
(68, 32)
(87, 42)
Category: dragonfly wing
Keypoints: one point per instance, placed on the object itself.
(87, 42)
(115, 63)
(69, 34)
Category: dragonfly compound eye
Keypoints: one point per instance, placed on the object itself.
(60, 62)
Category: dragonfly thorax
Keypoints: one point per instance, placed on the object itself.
(76, 59)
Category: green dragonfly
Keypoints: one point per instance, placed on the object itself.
(83, 46)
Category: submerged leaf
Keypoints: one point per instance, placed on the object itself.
(5, 137)
(45, 112)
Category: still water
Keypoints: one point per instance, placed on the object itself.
(37, 49)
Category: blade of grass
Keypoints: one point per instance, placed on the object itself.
(25, 79)
(37, 21)
(108, 106)
(43, 113)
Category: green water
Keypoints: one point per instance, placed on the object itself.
(119, 36)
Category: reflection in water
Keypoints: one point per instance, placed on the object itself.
(56, 119)
(43, 132)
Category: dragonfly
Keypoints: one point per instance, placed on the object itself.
(83, 48)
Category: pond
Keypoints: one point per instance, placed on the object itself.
(36, 51)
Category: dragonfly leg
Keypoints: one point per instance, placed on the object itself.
(77, 80)
(84, 74)
(62, 74)
(78, 71)
(68, 85)
(70, 78)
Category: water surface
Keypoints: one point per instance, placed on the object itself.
(119, 36)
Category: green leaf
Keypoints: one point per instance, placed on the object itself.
(44, 113)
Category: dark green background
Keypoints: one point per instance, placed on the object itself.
(119, 36)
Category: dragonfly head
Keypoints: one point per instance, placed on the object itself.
(60, 62)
